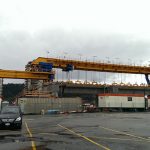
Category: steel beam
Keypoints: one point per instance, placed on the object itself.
(94, 66)
(13, 74)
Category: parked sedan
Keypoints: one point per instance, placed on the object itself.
(11, 116)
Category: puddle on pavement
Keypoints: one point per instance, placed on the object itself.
(13, 138)
(64, 134)
(130, 118)
(120, 134)
(74, 137)
(41, 147)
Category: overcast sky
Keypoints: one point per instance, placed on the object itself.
(118, 30)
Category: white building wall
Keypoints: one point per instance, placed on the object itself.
(149, 103)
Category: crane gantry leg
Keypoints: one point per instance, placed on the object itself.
(147, 79)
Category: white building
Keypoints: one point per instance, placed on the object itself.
(110, 100)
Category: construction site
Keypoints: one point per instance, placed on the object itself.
(43, 92)
(74, 75)
(78, 114)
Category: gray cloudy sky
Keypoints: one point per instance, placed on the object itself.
(102, 28)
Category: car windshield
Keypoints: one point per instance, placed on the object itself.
(10, 110)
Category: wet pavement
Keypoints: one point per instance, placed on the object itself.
(84, 131)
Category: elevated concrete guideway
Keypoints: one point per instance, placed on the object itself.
(90, 92)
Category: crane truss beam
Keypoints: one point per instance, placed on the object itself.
(13, 74)
(94, 66)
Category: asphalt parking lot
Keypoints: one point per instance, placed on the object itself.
(84, 131)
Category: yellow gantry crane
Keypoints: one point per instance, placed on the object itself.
(92, 66)
(68, 65)
(13, 74)
(41, 68)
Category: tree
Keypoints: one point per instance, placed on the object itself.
(10, 91)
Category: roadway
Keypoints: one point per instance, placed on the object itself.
(83, 131)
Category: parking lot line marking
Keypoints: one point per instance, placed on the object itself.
(31, 136)
(84, 137)
(132, 135)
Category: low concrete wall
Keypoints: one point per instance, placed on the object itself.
(35, 105)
